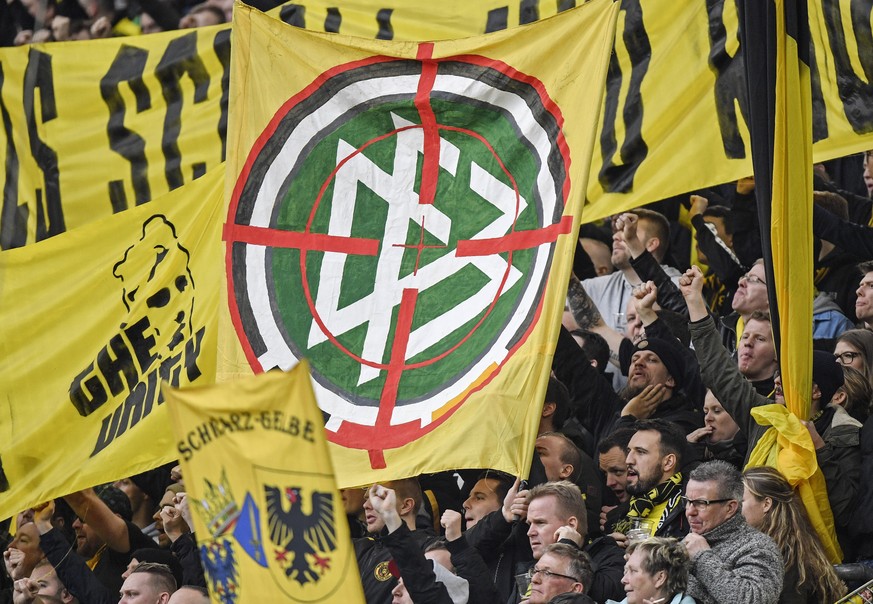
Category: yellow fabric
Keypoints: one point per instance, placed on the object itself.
(260, 485)
(84, 298)
(740, 327)
(792, 245)
(791, 220)
(97, 140)
(787, 446)
(487, 418)
(655, 516)
(95, 559)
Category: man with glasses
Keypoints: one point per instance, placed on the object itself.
(835, 435)
(751, 296)
(730, 560)
(562, 569)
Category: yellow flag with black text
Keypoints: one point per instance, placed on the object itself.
(402, 215)
(269, 520)
(93, 127)
(91, 321)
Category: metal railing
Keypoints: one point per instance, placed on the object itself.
(862, 595)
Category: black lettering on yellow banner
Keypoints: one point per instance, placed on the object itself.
(146, 391)
(127, 67)
(180, 59)
(221, 46)
(729, 82)
(13, 217)
(617, 175)
(293, 14)
(819, 109)
(854, 92)
(215, 427)
(49, 212)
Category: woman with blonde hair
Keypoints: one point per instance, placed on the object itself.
(771, 506)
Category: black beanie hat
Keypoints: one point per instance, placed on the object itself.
(670, 353)
(153, 482)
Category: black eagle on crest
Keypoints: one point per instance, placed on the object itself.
(302, 535)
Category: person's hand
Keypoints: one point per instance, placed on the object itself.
(746, 185)
(174, 525)
(627, 224)
(60, 28)
(568, 532)
(13, 558)
(101, 28)
(25, 591)
(691, 286)
(451, 521)
(180, 501)
(514, 504)
(176, 474)
(691, 283)
(384, 502)
(817, 440)
(695, 544)
(604, 510)
(42, 517)
(25, 36)
(620, 539)
(643, 405)
(645, 296)
(701, 433)
(698, 206)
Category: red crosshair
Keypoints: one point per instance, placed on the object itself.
(419, 247)
(383, 435)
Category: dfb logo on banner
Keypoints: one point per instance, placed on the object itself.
(395, 225)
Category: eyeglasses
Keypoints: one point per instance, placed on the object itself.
(702, 504)
(846, 358)
(549, 574)
(753, 279)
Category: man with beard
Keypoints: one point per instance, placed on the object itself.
(654, 386)
(654, 481)
(655, 378)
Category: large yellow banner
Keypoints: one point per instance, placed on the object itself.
(91, 323)
(91, 128)
(269, 520)
(402, 215)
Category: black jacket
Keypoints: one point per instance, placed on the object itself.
(373, 559)
(416, 570)
(505, 548)
(73, 572)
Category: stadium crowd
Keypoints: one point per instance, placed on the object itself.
(641, 489)
(33, 21)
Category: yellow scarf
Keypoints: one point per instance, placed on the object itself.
(787, 446)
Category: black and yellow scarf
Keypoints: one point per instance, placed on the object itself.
(669, 492)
